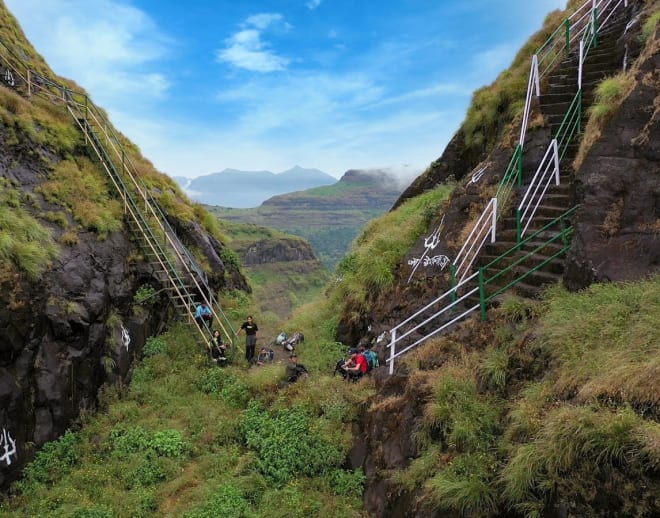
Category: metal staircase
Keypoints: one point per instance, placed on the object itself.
(181, 278)
(524, 253)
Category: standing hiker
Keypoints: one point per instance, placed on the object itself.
(251, 328)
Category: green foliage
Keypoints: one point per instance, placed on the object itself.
(154, 345)
(125, 441)
(466, 485)
(493, 368)
(228, 500)
(144, 295)
(467, 420)
(52, 462)
(169, 443)
(348, 484)
(23, 240)
(227, 385)
(583, 442)
(80, 186)
(609, 94)
(230, 258)
(649, 26)
(285, 444)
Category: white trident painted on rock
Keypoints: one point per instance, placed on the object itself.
(9, 445)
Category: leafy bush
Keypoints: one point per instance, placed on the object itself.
(55, 459)
(169, 443)
(228, 500)
(231, 388)
(144, 295)
(285, 445)
(154, 345)
(126, 441)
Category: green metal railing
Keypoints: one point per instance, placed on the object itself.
(460, 297)
(581, 27)
(563, 234)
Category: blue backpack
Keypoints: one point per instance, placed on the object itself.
(372, 359)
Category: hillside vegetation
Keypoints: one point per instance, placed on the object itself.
(329, 217)
(281, 269)
(551, 407)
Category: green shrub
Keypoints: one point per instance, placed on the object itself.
(228, 500)
(231, 388)
(125, 441)
(154, 345)
(169, 443)
(285, 445)
(466, 486)
(53, 461)
(144, 295)
(347, 483)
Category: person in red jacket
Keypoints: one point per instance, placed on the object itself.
(356, 366)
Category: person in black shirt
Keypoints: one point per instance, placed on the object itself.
(250, 327)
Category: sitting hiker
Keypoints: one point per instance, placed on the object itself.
(356, 366)
(218, 348)
(265, 356)
(295, 370)
(203, 315)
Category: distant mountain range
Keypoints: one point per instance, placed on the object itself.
(329, 217)
(245, 189)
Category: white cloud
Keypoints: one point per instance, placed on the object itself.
(494, 60)
(245, 48)
(313, 4)
(105, 46)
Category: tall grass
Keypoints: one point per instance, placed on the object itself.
(189, 439)
(24, 241)
(369, 267)
(606, 340)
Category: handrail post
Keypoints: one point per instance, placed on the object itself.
(29, 83)
(482, 294)
(518, 226)
(392, 350)
(519, 173)
(567, 25)
(594, 22)
(555, 157)
(580, 64)
(579, 119)
(494, 221)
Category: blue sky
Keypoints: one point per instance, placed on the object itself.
(204, 85)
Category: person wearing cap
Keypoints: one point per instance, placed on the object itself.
(295, 370)
(356, 366)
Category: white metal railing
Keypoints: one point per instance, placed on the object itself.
(483, 228)
(547, 170)
(584, 19)
(394, 340)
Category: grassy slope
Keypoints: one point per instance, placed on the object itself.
(278, 287)
(329, 217)
(556, 399)
(76, 192)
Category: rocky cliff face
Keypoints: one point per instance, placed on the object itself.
(617, 234)
(66, 332)
(617, 238)
(275, 251)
